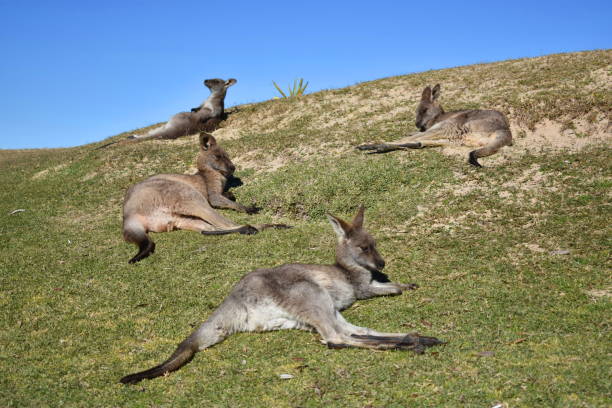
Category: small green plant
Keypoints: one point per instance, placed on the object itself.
(298, 88)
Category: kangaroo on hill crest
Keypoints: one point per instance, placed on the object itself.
(308, 297)
(203, 118)
(486, 129)
(167, 202)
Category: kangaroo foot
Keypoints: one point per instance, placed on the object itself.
(367, 147)
(378, 148)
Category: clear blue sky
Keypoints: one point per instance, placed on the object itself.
(74, 72)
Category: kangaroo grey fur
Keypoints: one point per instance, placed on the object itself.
(308, 297)
(168, 202)
(203, 118)
(487, 129)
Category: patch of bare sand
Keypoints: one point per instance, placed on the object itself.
(253, 159)
(534, 248)
(531, 179)
(45, 173)
(600, 293)
(226, 133)
(89, 176)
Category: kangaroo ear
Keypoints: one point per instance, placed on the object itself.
(358, 220)
(435, 92)
(207, 141)
(230, 82)
(341, 227)
(426, 95)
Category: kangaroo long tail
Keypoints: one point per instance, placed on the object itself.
(208, 334)
(183, 354)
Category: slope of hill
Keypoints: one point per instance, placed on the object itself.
(513, 260)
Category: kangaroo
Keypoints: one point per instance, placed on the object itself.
(298, 296)
(203, 118)
(168, 202)
(487, 129)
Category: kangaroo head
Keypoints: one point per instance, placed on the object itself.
(212, 156)
(219, 85)
(355, 246)
(429, 108)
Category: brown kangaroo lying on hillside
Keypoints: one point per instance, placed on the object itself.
(203, 118)
(168, 202)
(308, 297)
(487, 129)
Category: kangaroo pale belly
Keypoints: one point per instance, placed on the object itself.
(474, 139)
(267, 317)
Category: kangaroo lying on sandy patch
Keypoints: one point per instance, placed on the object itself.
(168, 202)
(309, 297)
(203, 118)
(487, 129)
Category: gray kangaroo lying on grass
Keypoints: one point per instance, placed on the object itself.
(203, 118)
(168, 202)
(298, 296)
(487, 129)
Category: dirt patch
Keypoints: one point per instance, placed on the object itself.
(600, 293)
(254, 160)
(45, 173)
(549, 135)
(534, 248)
(89, 176)
(531, 179)
(226, 133)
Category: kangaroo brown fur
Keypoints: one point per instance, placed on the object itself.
(205, 117)
(486, 129)
(167, 202)
(309, 297)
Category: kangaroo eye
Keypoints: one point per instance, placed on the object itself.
(365, 248)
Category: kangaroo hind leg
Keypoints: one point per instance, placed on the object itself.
(498, 139)
(317, 310)
(196, 207)
(368, 338)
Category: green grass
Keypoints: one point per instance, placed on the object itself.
(75, 317)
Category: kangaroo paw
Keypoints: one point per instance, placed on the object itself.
(473, 160)
(252, 209)
(408, 286)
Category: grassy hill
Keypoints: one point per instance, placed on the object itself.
(513, 259)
